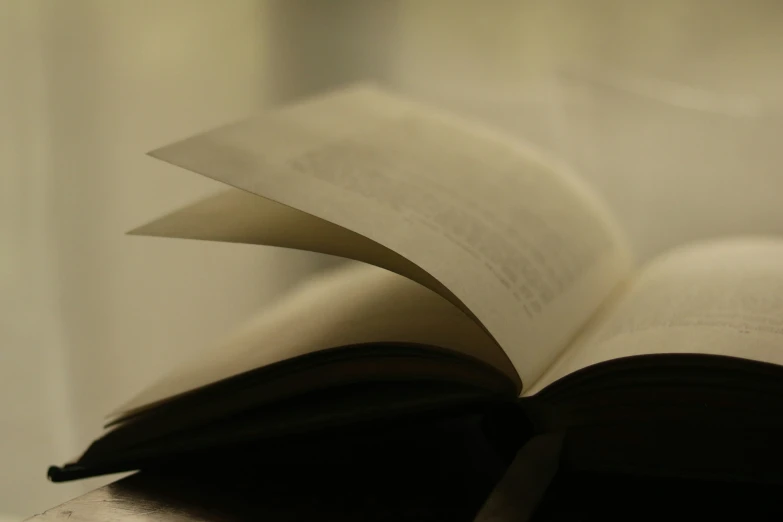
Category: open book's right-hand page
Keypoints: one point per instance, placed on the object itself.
(516, 240)
(716, 298)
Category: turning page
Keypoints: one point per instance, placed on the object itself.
(716, 298)
(505, 232)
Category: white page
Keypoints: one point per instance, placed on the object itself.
(352, 305)
(236, 216)
(718, 298)
(509, 232)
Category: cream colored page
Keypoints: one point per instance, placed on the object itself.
(513, 236)
(719, 298)
(353, 305)
(236, 216)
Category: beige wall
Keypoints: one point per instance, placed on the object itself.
(88, 315)
(672, 109)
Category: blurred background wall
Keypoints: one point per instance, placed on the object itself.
(670, 108)
(88, 315)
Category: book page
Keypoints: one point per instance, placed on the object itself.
(236, 216)
(512, 235)
(719, 298)
(350, 305)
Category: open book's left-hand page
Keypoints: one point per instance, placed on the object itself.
(354, 305)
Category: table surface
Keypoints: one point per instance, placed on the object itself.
(436, 474)
(173, 497)
(443, 474)
(152, 498)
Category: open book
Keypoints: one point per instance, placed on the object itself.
(486, 273)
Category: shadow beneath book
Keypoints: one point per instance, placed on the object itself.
(441, 470)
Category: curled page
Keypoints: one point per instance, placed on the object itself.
(511, 235)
